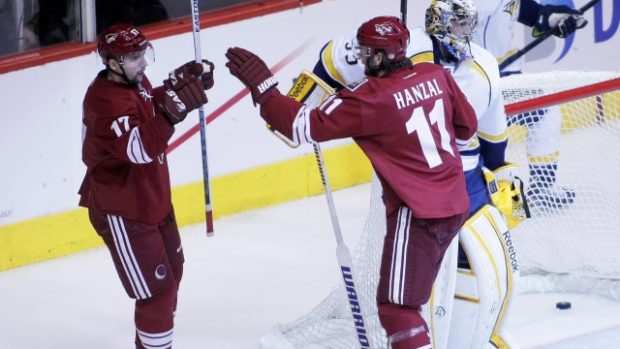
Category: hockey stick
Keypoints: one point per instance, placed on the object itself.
(312, 91)
(344, 256)
(201, 118)
(403, 11)
(527, 48)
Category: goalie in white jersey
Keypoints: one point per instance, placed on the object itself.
(483, 296)
(495, 32)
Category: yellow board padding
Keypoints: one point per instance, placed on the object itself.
(272, 184)
(46, 237)
(582, 113)
(68, 232)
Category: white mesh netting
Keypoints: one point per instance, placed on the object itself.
(574, 248)
(563, 247)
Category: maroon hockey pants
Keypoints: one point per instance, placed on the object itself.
(149, 262)
(412, 253)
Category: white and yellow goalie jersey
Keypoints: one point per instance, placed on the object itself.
(478, 78)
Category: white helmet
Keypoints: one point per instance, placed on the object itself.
(453, 22)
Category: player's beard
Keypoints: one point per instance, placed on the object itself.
(137, 78)
(375, 71)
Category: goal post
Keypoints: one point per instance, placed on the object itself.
(573, 248)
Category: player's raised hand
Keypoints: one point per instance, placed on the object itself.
(183, 74)
(562, 20)
(252, 72)
(176, 104)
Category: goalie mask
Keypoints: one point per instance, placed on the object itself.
(126, 44)
(452, 22)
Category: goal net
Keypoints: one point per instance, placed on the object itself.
(563, 131)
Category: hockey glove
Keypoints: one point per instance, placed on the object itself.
(560, 20)
(506, 192)
(188, 71)
(252, 72)
(175, 104)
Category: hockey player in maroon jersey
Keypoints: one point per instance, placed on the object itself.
(409, 120)
(126, 127)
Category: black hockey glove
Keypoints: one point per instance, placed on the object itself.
(560, 20)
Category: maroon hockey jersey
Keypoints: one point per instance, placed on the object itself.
(124, 143)
(408, 122)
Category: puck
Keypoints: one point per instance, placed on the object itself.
(562, 305)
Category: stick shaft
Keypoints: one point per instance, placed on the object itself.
(343, 255)
(527, 48)
(203, 126)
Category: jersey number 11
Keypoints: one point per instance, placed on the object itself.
(418, 123)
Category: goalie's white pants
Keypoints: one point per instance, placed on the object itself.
(469, 308)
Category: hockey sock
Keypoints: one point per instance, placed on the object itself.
(154, 320)
(405, 327)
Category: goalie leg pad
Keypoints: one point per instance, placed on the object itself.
(437, 312)
(484, 292)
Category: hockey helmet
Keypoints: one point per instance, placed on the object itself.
(386, 33)
(453, 22)
(121, 40)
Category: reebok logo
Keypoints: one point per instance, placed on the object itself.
(265, 85)
(511, 251)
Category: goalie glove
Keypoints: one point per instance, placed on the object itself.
(562, 21)
(506, 192)
(310, 90)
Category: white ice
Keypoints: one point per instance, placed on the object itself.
(263, 267)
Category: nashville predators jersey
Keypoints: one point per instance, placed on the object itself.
(478, 78)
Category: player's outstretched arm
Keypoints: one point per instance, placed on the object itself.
(277, 110)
